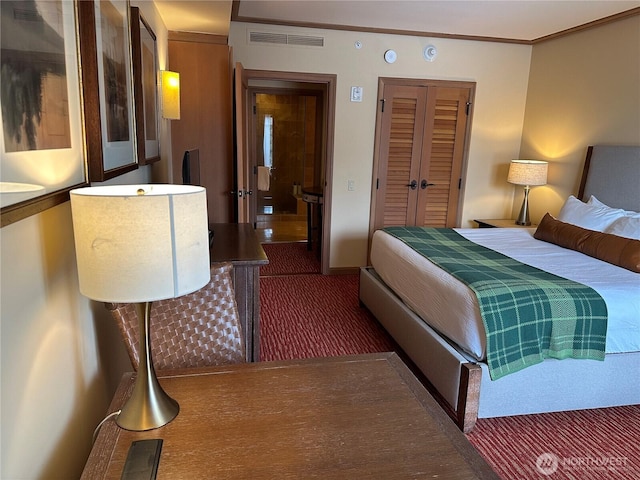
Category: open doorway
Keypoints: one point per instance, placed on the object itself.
(289, 143)
(287, 147)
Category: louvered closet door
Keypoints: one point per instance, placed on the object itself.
(442, 156)
(420, 152)
(400, 151)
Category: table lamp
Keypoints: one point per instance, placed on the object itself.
(528, 173)
(137, 244)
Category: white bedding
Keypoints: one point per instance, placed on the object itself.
(441, 300)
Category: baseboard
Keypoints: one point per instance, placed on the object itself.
(344, 271)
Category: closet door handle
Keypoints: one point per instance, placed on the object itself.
(413, 185)
(424, 184)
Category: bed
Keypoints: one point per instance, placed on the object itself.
(425, 321)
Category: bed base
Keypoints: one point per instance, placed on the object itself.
(464, 387)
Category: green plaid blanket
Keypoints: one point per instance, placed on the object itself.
(528, 314)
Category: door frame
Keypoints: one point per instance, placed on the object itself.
(328, 81)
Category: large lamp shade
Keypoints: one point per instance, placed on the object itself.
(140, 243)
(528, 172)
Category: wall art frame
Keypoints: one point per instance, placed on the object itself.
(107, 76)
(145, 74)
(42, 155)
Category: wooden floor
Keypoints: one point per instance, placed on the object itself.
(281, 228)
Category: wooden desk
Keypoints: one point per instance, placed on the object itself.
(238, 244)
(357, 417)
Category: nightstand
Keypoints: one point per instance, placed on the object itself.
(501, 223)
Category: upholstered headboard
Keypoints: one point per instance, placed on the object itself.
(612, 175)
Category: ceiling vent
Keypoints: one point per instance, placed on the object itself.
(286, 39)
(264, 37)
(305, 40)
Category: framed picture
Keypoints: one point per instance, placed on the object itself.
(145, 73)
(105, 49)
(42, 153)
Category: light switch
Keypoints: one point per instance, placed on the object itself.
(356, 94)
(351, 185)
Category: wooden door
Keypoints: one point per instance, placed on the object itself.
(400, 154)
(242, 178)
(443, 148)
(421, 138)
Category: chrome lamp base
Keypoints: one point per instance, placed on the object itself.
(149, 406)
(523, 217)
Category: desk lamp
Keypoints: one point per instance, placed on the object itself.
(137, 244)
(528, 173)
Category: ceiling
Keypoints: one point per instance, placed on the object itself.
(514, 20)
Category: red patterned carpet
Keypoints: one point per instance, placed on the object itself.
(314, 315)
(579, 445)
(307, 316)
(289, 258)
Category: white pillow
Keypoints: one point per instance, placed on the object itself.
(588, 216)
(628, 227)
(594, 201)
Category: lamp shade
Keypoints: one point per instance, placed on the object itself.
(528, 172)
(140, 243)
(170, 86)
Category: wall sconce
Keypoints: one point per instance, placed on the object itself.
(528, 173)
(170, 86)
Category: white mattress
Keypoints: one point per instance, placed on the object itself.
(451, 307)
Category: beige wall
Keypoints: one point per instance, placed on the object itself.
(61, 355)
(584, 89)
(500, 70)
